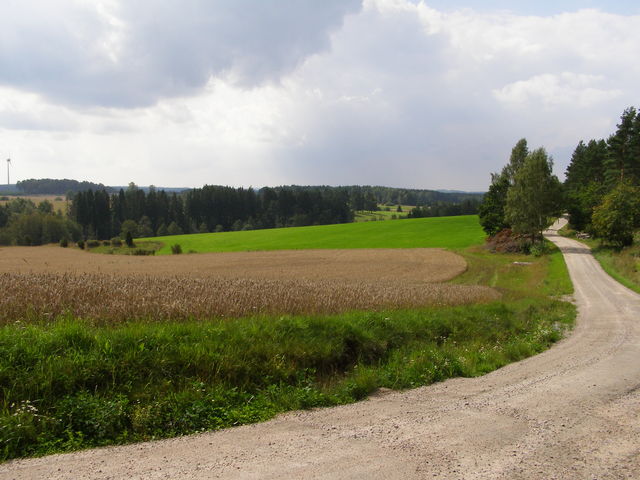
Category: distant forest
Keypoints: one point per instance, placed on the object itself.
(50, 186)
(217, 208)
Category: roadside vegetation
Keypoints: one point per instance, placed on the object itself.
(622, 263)
(601, 194)
(603, 198)
(75, 381)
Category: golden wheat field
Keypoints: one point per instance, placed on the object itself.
(42, 282)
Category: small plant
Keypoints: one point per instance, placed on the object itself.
(142, 252)
(176, 249)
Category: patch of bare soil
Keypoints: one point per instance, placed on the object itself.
(569, 413)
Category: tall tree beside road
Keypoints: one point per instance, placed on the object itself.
(535, 198)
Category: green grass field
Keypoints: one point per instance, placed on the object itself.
(444, 232)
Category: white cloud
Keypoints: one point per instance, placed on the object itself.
(129, 54)
(568, 90)
(393, 92)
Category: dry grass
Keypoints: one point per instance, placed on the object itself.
(58, 201)
(43, 282)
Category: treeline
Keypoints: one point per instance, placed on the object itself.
(443, 209)
(407, 196)
(24, 223)
(208, 209)
(52, 186)
(603, 183)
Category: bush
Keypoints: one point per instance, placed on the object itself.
(142, 252)
(64, 243)
(176, 249)
(128, 239)
(80, 244)
(539, 249)
(92, 243)
(116, 242)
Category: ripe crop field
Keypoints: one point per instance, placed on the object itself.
(441, 232)
(41, 283)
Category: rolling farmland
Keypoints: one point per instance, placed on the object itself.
(100, 349)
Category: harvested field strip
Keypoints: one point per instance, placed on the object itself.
(402, 266)
(112, 298)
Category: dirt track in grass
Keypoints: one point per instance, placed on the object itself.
(569, 413)
(42, 282)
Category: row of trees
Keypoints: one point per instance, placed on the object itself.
(524, 197)
(207, 209)
(217, 208)
(468, 206)
(603, 183)
(601, 192)
(408, 196)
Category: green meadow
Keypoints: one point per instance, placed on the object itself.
(443, 232)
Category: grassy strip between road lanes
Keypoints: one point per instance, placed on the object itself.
(71, 384)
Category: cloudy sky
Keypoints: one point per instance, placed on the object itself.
(423, 94)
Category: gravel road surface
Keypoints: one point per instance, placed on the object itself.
(572, 412)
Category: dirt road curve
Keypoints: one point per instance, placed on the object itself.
(572, 412)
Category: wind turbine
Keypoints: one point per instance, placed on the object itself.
(8, 163)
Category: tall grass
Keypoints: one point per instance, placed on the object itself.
(71, 384)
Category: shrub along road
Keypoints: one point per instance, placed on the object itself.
(568, 413)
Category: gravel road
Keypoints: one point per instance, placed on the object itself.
(572, 412)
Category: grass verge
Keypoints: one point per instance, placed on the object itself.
(70, 384)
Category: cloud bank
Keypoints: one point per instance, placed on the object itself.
(389, 92)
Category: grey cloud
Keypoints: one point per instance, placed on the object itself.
(141, 51)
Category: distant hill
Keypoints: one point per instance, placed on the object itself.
(50, 186)
(8, 189)
(376, 194)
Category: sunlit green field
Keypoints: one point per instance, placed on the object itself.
(445, 232)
